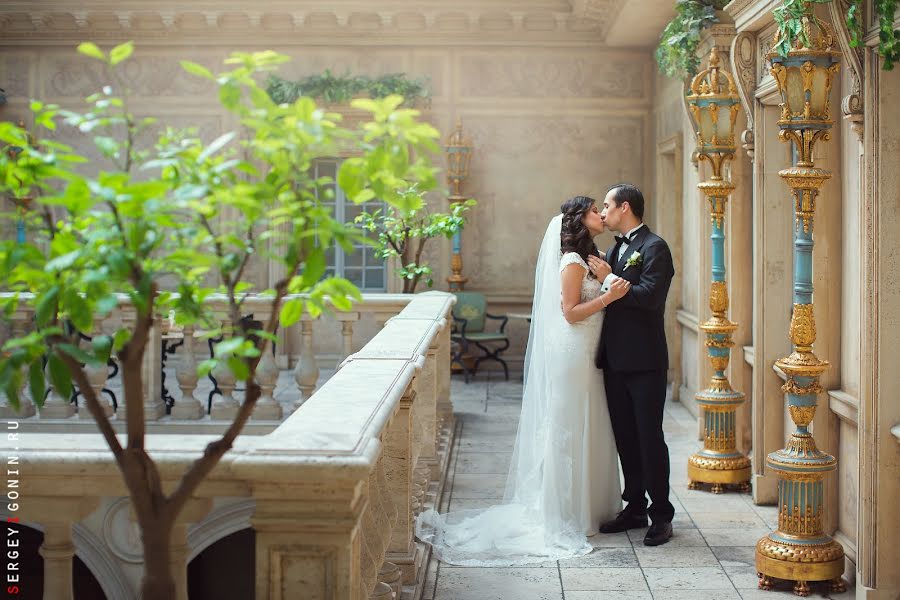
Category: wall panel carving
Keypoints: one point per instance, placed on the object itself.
(551, 75)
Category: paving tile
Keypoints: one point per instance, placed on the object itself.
(693, 595)
(687, 578)
(774, 594)
(498, 584)
(483, 463)
(457, 503)
(680, 538)
(607, 595)
(734, 537)
(735, 556)
(675, 556)
(603, 557)
(726, 520)
(743, 577)
(473, 485)
(602, 579)
(610, 540)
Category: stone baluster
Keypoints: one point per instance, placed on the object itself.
(55, 406)
(306, 373)
(154, 406)
(428, 405)
(97, 375)
(224, 406)
(398, 473)
(346, 320)
(188, 406)
(267, 375)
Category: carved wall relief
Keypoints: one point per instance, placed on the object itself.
(744, 66)
(852, 104)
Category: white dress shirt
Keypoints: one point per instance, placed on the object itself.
(625, 243)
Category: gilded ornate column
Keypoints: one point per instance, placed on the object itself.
(714, 106)
(459, 152)
(800, 550)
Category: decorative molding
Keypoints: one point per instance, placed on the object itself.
(219, 524)
(743, 66)
(211, 24)
(102, 563)
(688, 320)
(750, 355)
(852, 104)
(845, 406)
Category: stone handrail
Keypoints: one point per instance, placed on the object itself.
(165, 406)
(335, 487)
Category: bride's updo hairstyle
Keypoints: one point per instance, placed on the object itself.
(574, 236)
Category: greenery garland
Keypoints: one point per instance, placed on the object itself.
(676, 54)
(789, 17)
(342, 88)
(888, 37)
(677, 51)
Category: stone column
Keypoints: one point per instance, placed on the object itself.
(346, 320)
(193, 512)
(57, 515)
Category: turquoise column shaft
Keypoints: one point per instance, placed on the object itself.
(803, 264)
(456, 242)
(20, 231)
(718, 250)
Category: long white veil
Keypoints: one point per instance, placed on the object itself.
(531, 525)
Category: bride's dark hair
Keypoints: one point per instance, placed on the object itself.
(574, 236)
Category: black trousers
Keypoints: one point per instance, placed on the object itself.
(636, 402)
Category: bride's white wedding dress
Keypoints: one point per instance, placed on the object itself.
(564, 478)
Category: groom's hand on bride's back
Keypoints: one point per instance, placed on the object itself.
(599, 267)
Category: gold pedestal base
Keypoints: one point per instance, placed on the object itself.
(719, 472)
(800, 563)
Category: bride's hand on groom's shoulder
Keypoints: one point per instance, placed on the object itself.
(599, 267)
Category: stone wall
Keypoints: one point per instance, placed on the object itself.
(551, 112)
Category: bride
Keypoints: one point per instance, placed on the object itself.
(564, 478)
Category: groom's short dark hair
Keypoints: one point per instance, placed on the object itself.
(625, 192)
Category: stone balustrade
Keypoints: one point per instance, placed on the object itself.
(331, 492)
(186, 402)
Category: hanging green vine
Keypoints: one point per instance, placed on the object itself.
(888, 37)
(342, 88)
(677, 51)
(789, 17)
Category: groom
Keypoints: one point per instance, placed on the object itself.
(632, 353)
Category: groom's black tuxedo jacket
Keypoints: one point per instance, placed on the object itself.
(633, 336)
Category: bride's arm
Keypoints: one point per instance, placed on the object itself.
(574, 310)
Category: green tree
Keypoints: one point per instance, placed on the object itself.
(403, 230)
(161, 216)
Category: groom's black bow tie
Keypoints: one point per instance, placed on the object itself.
(624, 239)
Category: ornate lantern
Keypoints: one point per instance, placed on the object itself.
(800, 550)
(714, 105)
(459, 153)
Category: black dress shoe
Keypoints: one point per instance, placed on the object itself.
(623, 522)
(658, 534)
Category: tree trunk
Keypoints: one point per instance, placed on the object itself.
(158, 583)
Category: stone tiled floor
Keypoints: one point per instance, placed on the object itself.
(709, 558)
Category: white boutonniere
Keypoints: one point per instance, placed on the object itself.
(634, 260)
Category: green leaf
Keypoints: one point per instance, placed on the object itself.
(102, 345)
(196, 69)
(121, 52)
(79, 354)
(91, 49)
(46, 306)
(36, 385)
(291, 312)
(59, 375)
(239, 368)
(205, 367)
(120, 338)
